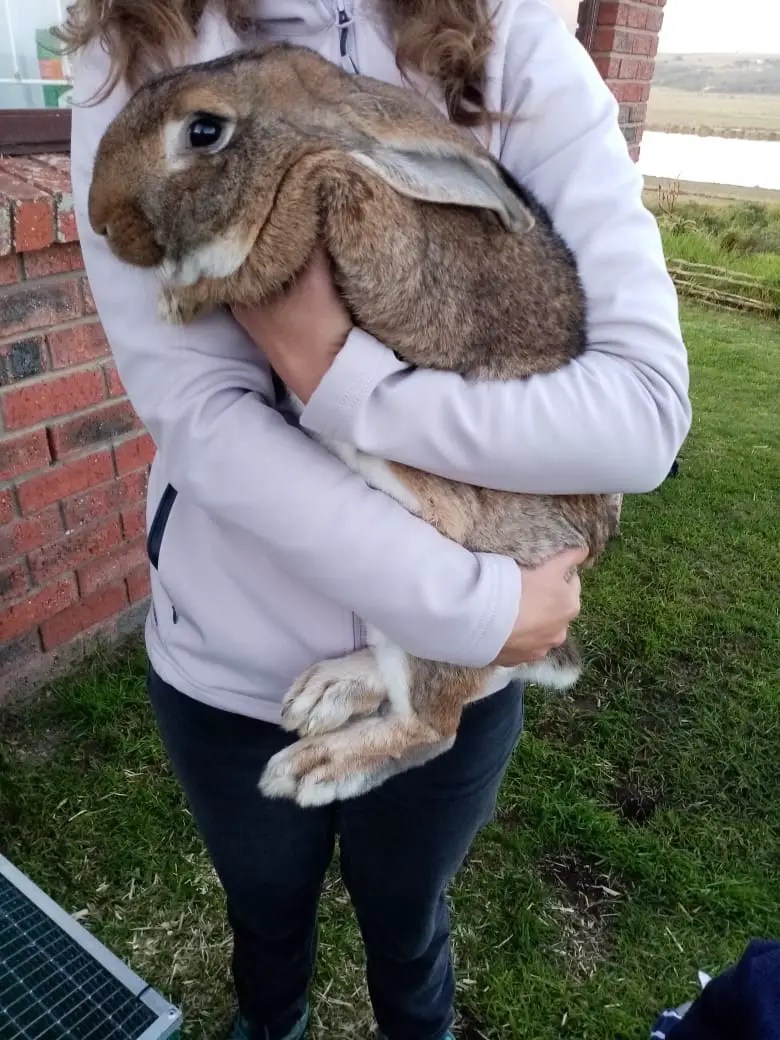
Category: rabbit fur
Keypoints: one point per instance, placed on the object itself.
(225, 176)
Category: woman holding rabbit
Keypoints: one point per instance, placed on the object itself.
(268, 554)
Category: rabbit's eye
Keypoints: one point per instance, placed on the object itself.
(205, 132)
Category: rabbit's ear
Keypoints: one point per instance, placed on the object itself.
(443, 171)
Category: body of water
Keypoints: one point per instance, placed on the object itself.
(711, 160)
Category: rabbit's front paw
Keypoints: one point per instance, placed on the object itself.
(336, 766)
(331, 693)
(350, 762)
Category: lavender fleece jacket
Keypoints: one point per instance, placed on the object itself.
(270, 550)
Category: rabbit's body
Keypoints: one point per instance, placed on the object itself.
(440, 255)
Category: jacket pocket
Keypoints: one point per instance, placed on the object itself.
(159, 523)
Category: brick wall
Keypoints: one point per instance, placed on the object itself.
(624, 46)
(73, 460)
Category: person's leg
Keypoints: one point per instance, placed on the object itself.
(401, 845)
(271, 856)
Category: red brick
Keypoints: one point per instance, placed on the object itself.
(607, 40)
(608, 67)
(9, 269)
(134, 522)
(646, 69)
(628, 91)
(127, 557)
(74, 548)
(67, 228)
(57, 259)
(54, 180)
(50, 397)
(67, 231)
(629, 68)
(32, 213)
(22, 360)
(22, 454)
(26, 613)
(33, 224)
(83, 342)
(83, 615)
(613, 13)
(139, 584)
(644, 43)
(89, 300)
(13, 582)
(38, 305)
(104, 500)
(6, 506)
(655, 21)
(637, 17)
(113, 382)
(5, 226)
(61, 162)
(30, 532)
(91, 428)
(135, 453)
(65, 479)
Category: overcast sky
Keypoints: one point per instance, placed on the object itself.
(721, 25)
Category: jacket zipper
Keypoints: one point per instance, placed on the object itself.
(156, 532)
(344, 22)
(159, 523)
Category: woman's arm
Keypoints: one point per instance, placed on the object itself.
(203, 391)
(612, 420)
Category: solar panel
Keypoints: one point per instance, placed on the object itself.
(58, 982)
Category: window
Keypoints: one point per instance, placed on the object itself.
(34, 78)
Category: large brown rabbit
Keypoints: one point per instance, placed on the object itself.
(225, 176)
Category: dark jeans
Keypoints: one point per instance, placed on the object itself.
(400, 845)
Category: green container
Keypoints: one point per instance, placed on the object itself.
(50, 65)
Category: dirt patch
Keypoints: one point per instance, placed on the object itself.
(636, 804)
(468, 1027)
(580, 912)
(568, 723)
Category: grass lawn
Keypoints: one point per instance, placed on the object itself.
(740, 238)
(638, 837)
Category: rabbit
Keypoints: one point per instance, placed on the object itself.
(225, 176)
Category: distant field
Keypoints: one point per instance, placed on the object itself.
(669, 107)
(709, 194)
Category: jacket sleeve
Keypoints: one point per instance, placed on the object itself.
(612, 420)
(202, 391)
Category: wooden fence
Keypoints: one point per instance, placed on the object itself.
(720, 287)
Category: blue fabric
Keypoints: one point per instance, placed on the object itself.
(741, 1004)
(399, 846)
(242, 1030)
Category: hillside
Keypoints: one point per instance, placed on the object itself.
(722, 94)
(720, 73)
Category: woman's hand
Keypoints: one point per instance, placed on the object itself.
(550, 601)
(302, 330)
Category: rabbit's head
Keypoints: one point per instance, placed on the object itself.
(186, 176)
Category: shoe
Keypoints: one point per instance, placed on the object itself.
(449, 1035)
(241, 1029)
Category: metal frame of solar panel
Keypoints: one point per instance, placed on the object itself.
(58, 982)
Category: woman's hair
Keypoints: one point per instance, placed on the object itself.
(446, 40)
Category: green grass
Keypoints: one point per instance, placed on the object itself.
(743, 238)
(638, 835)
